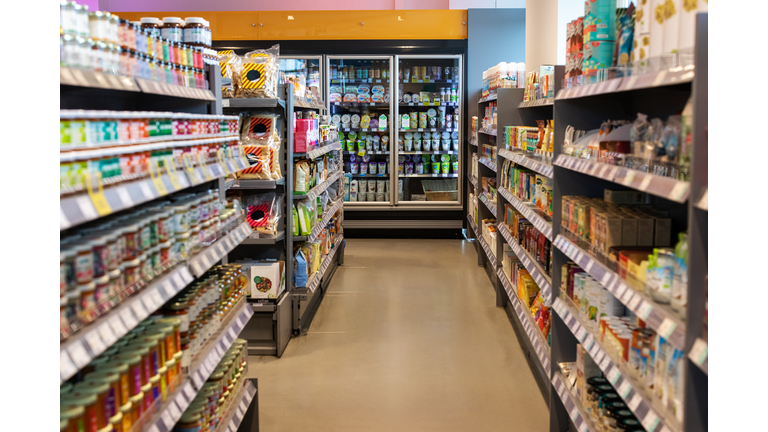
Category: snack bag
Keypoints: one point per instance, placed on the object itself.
(263, 213)
(228, 60)
(301, 177)
(261, 140)
(258, 75)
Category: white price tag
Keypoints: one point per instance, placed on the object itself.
(605, 363)
(189, 392)
(124, 196)
(583, 427)
(117, 326)
(628, 178)
(666, 328)
(139, 309)
(660, 78)
(588, 267)
(699, 352)
(149, 303)
(631, 82)
(232, 426)
(644, 310)
(155, 295)
(78, 354)
(86, 207)
(66, 367)
(624, 389)
(128, 319)
(620, 290)
(167, 420)
(581, 334)
(106, 334)
(613, 375)
(632, 305)
(627, 297)
(574, 413)
(146, 190)
(243, 406)
(166, 289)
(646, 181)
(198, 380)
(634, 402)
(153, 428)
(240, 321)
(678, 191)
(232, 333)
(589, 342)
(612, 174)
(606, 279)
(95, 342)
(594, 351)
(177, 280)
(650, 421)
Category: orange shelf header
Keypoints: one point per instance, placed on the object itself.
(327, 25)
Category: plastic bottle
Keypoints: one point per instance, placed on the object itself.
(512, 74)
(520, 75)
(454, 96)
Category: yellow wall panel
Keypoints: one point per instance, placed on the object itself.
(319, 25)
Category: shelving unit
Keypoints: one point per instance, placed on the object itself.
(278, 319)
(93, 334)
(658, 94)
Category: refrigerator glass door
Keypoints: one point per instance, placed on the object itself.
(429, 129)
(360, 105)
(305, 73)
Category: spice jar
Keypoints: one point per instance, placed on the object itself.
(137, 407)
(74, 416)
(104, 404)
(115, 392)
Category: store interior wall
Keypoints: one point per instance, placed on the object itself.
(494, 36)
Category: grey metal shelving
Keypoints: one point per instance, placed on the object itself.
(657, 94)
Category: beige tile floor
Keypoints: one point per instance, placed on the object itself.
(406, 339)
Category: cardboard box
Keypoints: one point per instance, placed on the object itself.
(266, 278)
(624, 197)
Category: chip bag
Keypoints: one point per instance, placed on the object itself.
(258, 75)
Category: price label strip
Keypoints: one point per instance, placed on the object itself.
(97, 196)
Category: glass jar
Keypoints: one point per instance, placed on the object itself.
(90, 404)
(172, 29)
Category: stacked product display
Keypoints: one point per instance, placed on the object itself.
(304, 75)
(503, 75)
(171, 51)
(540, 84)
(609, 42)
(254, 75)
(615, 213)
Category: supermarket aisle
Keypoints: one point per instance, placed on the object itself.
(407, 339)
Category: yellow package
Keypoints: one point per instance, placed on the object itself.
(315, 263)
(257, 76)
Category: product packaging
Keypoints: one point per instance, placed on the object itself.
(267, 279)
(257, 77)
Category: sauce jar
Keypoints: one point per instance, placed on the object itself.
(116, 422)
(132, 242)
(115, 392)
(134, 364)
(74, 416)
(131, 272)
(127, 412)
(103, 290)
(115, 282)
(89, 402)
(104, 403)
(87, 298)
(153, 25)
(83, 263)
(137, 407)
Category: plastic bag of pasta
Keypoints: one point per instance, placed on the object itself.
(228, 61)
(259, 74)
(263, 213)
(261, 142)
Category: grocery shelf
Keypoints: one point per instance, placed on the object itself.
(664, 77)
(526, 321)
(664, 187)
(360, 81)
(346, 129)
(264, 240)
(653, 418)
(479, 236)
(546, 102)
(576, 410)
(85, 78)
(488, 131)
(519, 158)
(703, 202)
(298, 103)
(449, 152)
(318, 228)
(257, 184)
(368, 152)
(537, 273)
(314, 280)
(165, 89)
(381, 176)
(411, 81)
(486, 199)
(488, 163)
(452, 175)
(430, 104)
(201, 368)
(212, 254)
(699, 355)
(539, 221)
(317, 190)
(472, 180)
(430, 130)
(353, 104)
(660, 318)
(252, 103)
(488, 98)
(80, 208)
(77, 350)
(327, 147)
(233, 417)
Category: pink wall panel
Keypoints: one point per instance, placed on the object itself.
(263, 5)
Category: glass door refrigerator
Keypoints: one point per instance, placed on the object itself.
(360, 103)
(308, 69)
(428, 130)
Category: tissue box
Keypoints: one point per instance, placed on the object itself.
(266, 279)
